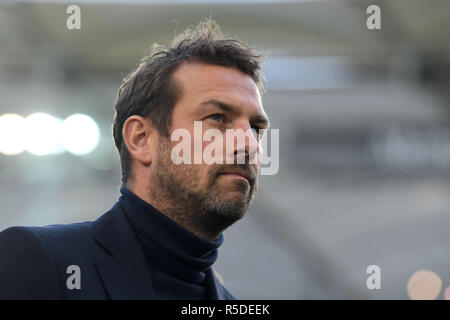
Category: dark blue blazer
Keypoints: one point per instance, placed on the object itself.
(34, 262)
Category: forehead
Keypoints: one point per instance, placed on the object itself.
(200, 82)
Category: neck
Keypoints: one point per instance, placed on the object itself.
(178, 211)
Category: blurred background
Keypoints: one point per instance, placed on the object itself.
(364, 120)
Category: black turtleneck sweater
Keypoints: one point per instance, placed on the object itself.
(178, 260)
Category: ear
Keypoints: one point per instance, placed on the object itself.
(139, 135)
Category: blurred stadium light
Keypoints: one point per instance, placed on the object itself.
(12, 138)
(43, 134)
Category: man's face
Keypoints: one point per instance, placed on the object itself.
(221, 98)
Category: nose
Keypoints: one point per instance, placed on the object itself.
(246, 147)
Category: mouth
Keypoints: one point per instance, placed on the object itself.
(238, 175)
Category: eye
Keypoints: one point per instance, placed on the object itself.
(217, 117)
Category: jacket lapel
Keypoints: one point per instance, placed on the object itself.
(124, 273)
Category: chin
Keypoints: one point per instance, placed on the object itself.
(236, 187)
(231, 195)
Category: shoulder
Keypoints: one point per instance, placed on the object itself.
(27, 268)
(63, 234)
(55, 238)
(32, 258)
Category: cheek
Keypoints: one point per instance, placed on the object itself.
(206, 173)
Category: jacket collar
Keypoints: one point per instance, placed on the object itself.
(125, 272)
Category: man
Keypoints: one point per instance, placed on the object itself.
(160, 239)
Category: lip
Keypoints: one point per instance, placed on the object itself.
(238, 174)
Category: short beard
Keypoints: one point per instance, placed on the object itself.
(204, 212)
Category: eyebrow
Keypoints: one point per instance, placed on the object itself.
(226, 107)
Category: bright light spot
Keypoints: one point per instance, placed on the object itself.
(12, 134)
(43, 133)
(80, 134)
(424, 285)
(447, 293)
